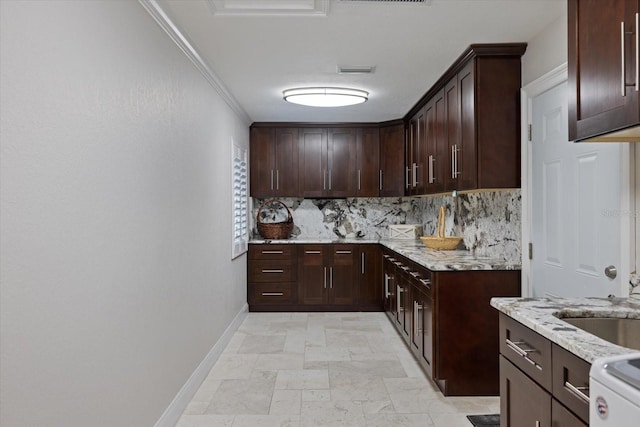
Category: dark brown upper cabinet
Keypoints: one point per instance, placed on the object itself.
(415, 154)
(603, 69)
(472, 130)
(368, 179)
(327, 162)
(274, 162)
(436, 144)
(392, 160)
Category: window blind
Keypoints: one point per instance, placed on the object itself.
(240, 204)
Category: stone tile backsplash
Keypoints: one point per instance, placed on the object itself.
(488, 221)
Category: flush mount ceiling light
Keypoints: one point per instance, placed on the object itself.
(325, 96)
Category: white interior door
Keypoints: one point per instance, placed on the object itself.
(575, 223)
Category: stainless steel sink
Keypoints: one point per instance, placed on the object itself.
(620, 331)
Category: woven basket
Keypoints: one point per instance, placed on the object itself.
(440, 241)
(275, 230)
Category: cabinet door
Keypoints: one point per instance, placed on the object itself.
(404, 301)
(368, 159)
(392, 161)
(285, 162)
(522, 402)
(343, 275)
(312, 275)
(436, 144)
(562, 417)
(452, 115)
(415, 340)
(389, 286)
(341, 158)
(312, 155)
(417, 140)
(371, 286)
(465, 162)
(603, 95)
(261, 162)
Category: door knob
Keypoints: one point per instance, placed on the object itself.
(611, 272)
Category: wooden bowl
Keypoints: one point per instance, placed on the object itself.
(441, 243)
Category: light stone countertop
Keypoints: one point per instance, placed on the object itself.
(458, 260)
(539, 314)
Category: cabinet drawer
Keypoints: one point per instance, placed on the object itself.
(526, 349)
(271, 271)
(571, 381)
(270, 293)
(271, 252)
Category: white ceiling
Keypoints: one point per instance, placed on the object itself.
(271, 45)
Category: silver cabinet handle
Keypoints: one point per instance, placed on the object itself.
(432, 178)
(453, 166)
(359, 178)
(414, 274)
(272, 294)
(386, 285)
(331, 277)
(417, 308)
(272, 252)
(272, 179)
(578, 392)
(623, 82)
(324, 276)
(408, 181)
(524, 353)
(277, 179)
(415, 174)
(362, 259)
(312, 252)
(343, 252)
(399, 291)
(380, 179)
(425, 282)
(330, 173)
(456, 150)
(273, 271)
(324, 179)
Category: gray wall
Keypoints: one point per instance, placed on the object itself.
(546, 51)
(116, 271)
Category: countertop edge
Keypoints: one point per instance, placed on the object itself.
(414, 250)
(538, 314)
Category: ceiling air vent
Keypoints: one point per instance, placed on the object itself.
(425, 2)
(356, 69)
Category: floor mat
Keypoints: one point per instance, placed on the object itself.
(485, 420)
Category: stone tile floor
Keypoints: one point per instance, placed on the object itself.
(323, 369)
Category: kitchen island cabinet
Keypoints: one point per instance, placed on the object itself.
(551, 357)
(602, 65)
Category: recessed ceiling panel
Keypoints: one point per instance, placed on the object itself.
(270, 7)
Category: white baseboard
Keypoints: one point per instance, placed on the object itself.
(174, 411)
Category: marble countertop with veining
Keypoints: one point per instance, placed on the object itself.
(541, 315)
(415, 250)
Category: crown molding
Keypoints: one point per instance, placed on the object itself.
(181, 40)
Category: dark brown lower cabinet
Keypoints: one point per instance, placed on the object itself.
(540, 382)
(370, 292)
(327, 275)
(522, 401)
(446, 320)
